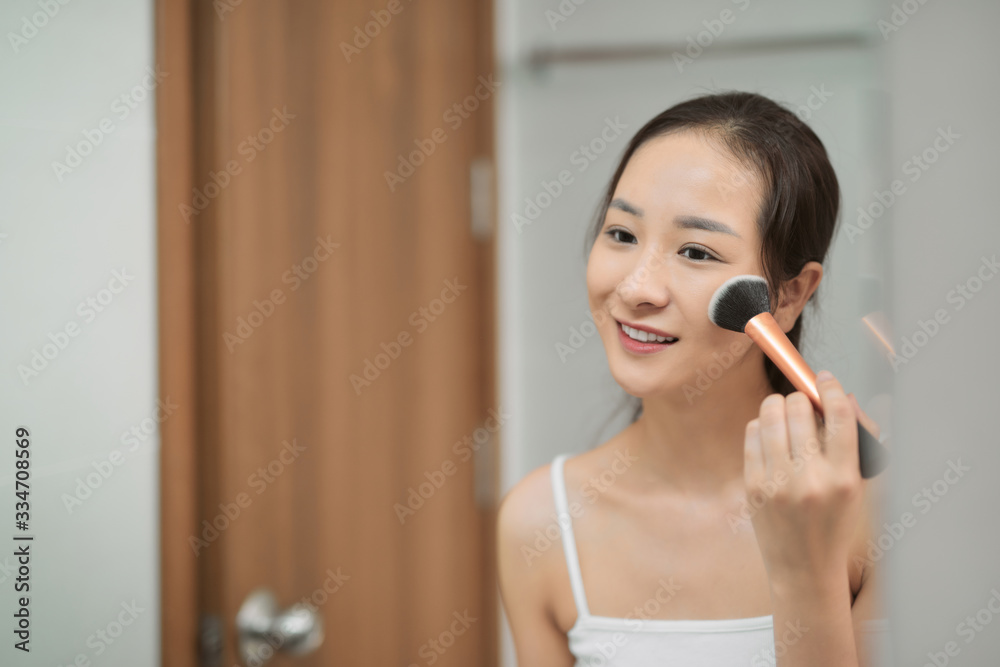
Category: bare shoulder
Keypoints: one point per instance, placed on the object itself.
(863, 555)
(525, 562)
(526, 512)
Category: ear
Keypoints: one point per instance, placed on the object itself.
(795, 293)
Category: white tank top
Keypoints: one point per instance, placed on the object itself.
(651, 642)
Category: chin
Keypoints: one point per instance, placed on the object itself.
(643, 384)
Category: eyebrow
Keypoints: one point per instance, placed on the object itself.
(682, 221)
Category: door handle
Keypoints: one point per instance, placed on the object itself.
(263, 629)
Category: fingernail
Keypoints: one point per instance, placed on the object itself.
(823, 376)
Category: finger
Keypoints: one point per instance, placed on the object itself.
(803, 431)
(774, 434)
(754, 467)
(840, 430)
(863, 417)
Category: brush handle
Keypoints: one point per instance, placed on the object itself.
(765, 331)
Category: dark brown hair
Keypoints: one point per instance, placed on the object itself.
(798, 213)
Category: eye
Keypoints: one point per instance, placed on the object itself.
(617, 230)
(706, 256)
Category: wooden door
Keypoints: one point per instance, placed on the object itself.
(326, 307)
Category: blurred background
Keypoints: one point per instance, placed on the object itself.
(292, 293)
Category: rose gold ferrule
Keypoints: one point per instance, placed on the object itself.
(764, 330)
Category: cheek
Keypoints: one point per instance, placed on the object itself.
(602, 276)
(694, 304)
(694, 296)
(699, 290)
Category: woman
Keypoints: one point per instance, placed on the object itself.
(727, 524)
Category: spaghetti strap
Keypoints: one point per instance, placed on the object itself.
(566, 530)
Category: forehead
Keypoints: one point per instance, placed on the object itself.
(688, 173)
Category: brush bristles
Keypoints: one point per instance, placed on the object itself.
(737, 301)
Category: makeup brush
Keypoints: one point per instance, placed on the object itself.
(741, 304)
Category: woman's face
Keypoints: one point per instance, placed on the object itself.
(681, 222)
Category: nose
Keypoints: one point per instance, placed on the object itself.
(648, 281)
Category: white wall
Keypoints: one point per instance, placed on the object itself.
(945, 567)
(62, 238)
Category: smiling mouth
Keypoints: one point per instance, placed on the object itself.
(643, 347)
(644, 336)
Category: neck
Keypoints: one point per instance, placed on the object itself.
(694, 442)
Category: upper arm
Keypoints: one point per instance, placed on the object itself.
(869, 620)
(523, 574)
(867, 612)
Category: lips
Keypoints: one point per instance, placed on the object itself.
(646, 334)
(641, 347)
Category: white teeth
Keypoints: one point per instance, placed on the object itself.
(644, 336)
